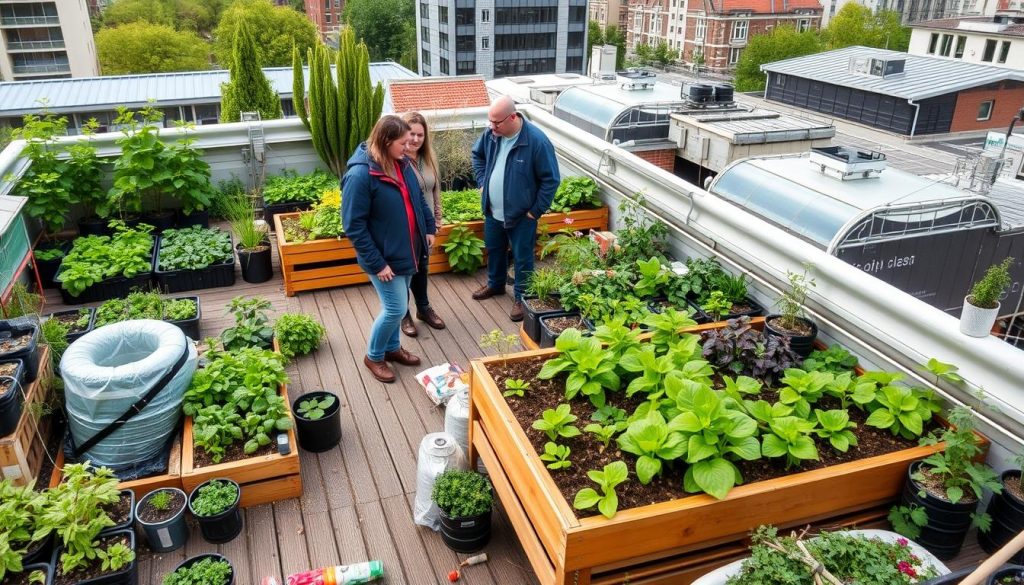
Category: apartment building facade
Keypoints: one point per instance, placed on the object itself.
(501, 38)
(610, 13)
(326, 15)
(46, 40)
(995, 41)
(652, 22)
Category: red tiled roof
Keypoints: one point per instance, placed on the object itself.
(438, 93)
(761, 6)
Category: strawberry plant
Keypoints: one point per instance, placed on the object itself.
(607, 501)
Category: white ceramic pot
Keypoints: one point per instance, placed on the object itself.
(977, 322)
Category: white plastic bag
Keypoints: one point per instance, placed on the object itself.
(438, 453)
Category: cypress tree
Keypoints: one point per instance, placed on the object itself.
(249, 89)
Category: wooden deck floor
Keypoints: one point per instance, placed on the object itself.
(358, 497)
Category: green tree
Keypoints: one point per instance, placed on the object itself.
(664, 54)
(275, 30)
(249, 89)
(612, 36)
(141, 47)
(782, 43)
(644, 54)
(857, 25)
(383, 25)
(194, 15)
(299, 5)
(595, 36)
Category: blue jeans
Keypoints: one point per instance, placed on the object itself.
(394, 301)
(522, 238)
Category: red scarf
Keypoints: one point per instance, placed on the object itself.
(409, 213)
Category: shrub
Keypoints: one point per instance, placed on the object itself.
(462, 494)
(289, 186)
(985, 293)
(465, 250)
(298, 334)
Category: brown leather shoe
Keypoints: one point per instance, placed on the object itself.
(408, 327)
(486, 292)
(430, 317)
(380, 370)
(401, 356)
(517, 311)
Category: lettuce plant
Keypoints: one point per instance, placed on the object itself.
(557, 422)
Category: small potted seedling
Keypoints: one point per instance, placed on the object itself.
(541, 299)
(790, 321)
(464, 499)
(214, 504)
(981, 307)
(161, 514)
(317, 421)
(207, 569)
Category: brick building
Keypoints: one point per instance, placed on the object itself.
(326, 15)
(652, 21)
(609, 12)
(906, 94)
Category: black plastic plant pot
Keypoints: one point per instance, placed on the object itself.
(950, 578)
(323, 433)
(256, 266)
(47, 269)
(126, 576)
(531, 316)
(948, 523)
(12, 398)
(547, 336)
(1007, 574)
(93, 226)
(189, 327)
(160, 220)
(466, 535)
(75, 313)
(27, 568)
(125, 524)
(216, 557)
(269, 211)
(186, 279)
(28, 354)
(223, 527)
(39, 552)
(803, 345)
(196, 218)
(167, 534)
(1007, 512)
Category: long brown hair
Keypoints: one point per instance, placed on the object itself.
(387, 130)
(426, 151)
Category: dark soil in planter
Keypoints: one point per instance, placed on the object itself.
(121, 511)
(933, 485)
(543, 306)
(8, 369)
(560, 324)
(5, 384)
(20, 578)
(587, 453)
(13, 344)
(71, 320)
(800, 328)
(150, 514)
(235, 452)
(94, 569)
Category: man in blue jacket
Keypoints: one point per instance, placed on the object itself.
(517, 173)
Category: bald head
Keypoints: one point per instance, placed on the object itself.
(504, 119)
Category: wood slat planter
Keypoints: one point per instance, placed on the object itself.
(22, 452)
(318, 264)
(757, 322)
(142, 485)
(655, 539)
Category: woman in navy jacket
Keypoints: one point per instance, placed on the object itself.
(391, 227)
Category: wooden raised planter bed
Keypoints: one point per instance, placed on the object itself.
(22, 452)
(656, 542)
(318, 264)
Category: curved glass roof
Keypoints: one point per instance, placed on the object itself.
(596, 109)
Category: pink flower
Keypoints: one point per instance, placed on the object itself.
(902, 541)
(906, 569)
(915, 560)
(568, 220)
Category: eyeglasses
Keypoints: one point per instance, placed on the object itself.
(501, 121)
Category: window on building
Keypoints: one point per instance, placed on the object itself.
(424, 10)
(1004, 51)
(444, 66)
(442, 40)
(933, 43)
(442, 14)
(337, 3)
(464, 16)
(701, 29)
(734, 55)
(465, 67)
(327, 4)
(780, 80)
(485, 15)
(424, 57)
(739, 30)
(425, 33)
(465, 43)
(990, 51)
(985, 110)
(327, 17)
(803, 24)
(961, 42)
(947, 45)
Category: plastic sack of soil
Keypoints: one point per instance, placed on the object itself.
(109, 370)
(438, 453)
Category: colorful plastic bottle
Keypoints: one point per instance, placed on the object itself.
(356, 574)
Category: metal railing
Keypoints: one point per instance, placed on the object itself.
(46, 68)
(28, 20)
(34, 45)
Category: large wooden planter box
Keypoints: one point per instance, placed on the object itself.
(654, 540)
(318, 264)
(22, 452)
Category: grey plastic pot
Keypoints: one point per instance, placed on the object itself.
(166, 535)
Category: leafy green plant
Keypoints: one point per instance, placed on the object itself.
(55, 333)
(557, 422)
(836, 359)
(290, 187)
(835, 426)
(194, 248)
(207, 571)
(608, 479)
(298, 334)
(901, 410)
(315, 408)
(654, 276)
(267, 415)
(589, 371)
(716, 305)
(21, 509)
(666, 326)
(605, 433)
(556, 455)
(955, 466)
(215, 428)
(142, 305)
(115, 557)
(252, 327)
(96, 258)
(48, 254)
(575, 193)
(790, 437)
(544, 282)
(76, 512)
(985, 292)
(943, 371)
(791, 303)
(908, 520)
(502, 343)
(464, 249)
(802, 390)
(515, 387)
(179, 309)
(462, 494)
(234, 376)
(640, 236)
(461, 206)
(161, 500)
(190, 173)
(140, 172)
(48, 183)
(653, 370)
(704, 274)
(214, 498)
(733, 288)
(653, 441)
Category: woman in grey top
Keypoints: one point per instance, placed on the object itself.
(424, 161)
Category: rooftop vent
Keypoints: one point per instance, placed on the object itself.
(521, 80)
(878, 66)
(637, 85)
(637, 73)
(848, 164)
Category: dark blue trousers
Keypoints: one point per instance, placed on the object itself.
(521, 239)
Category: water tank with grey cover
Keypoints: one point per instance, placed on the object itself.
(723, 93)
(698, 93)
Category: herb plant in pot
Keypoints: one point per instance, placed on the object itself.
(790, 322)
(253, 245)
(205, 569)
(981, 307)
(214, 504)
(943, 490)
(161, 514)
(317, 421)
(541, 299)
(1007, 512)
(27, 539)
(464, 499)
(12, 374)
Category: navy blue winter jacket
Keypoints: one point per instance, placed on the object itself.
(373, 214)
(531, 172)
